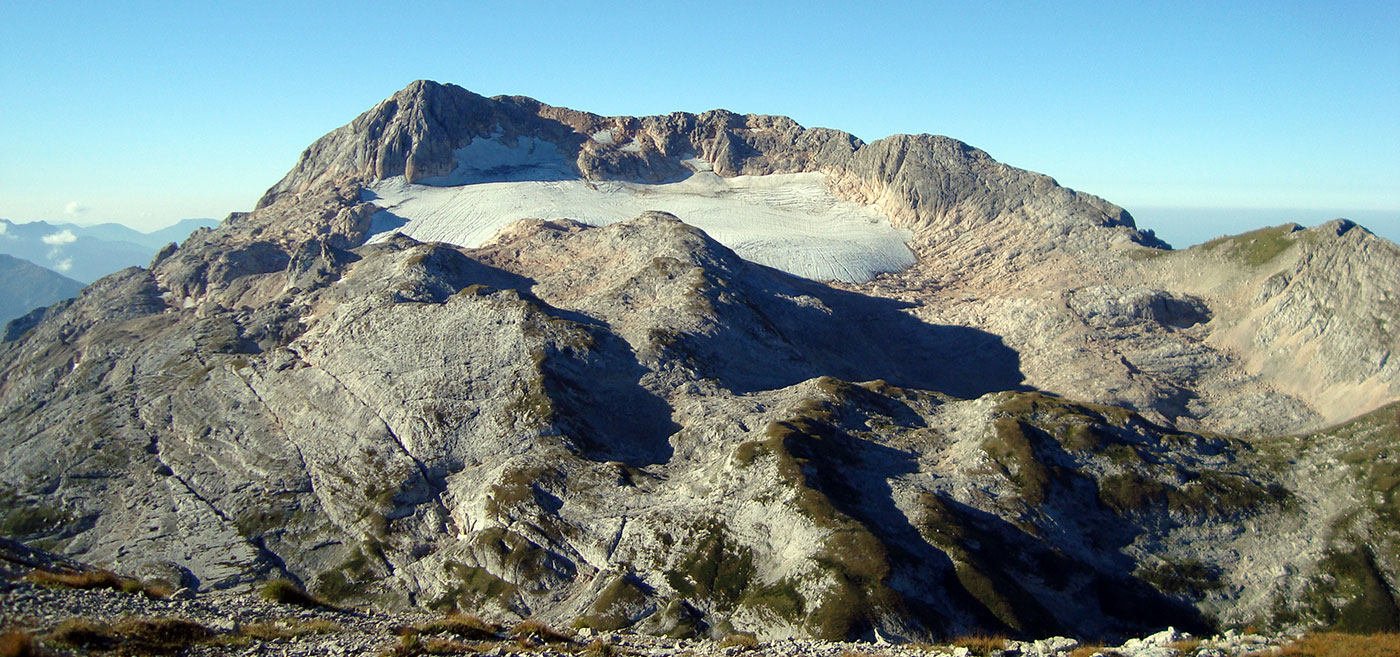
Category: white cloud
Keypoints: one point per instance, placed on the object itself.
(60, 238)
(3, 227)
(64, 264)
(75, 208)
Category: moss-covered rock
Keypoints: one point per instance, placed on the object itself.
(622, 602)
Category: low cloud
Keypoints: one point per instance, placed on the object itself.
(60, 238)
(75, 208)
(3, 227)
(63, 265)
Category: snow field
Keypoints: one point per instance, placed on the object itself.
(787, 221)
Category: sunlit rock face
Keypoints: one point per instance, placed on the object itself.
(700, 374)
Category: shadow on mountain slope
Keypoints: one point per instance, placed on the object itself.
(830, 332)
(1033, 577)
(605, 409)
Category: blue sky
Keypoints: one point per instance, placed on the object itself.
(146, 113)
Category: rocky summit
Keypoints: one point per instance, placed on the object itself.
(721, 375)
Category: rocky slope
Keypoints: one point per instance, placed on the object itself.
(44, 615)
(631, 426)
(999, 249)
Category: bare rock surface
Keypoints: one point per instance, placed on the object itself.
(1047, 425)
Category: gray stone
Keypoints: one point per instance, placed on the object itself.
(507, 429)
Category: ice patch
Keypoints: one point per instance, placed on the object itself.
(786, 221)
(604, 137)
(494, 159)
(698, 163)
(633, 146)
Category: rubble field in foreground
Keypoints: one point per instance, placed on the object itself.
(100, 621)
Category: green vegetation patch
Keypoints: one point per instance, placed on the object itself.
(782, 599)
(473, 586)
(1131, 492)
(812, 454)
(857, 566)
(780, 437)
(533, 405)
(717, 569)
(261, 520)
(516, 486)
(1218, 494)
(1351, 591)
(1339, 644)
(1193, 579)
(525, 561)
(1041, 409)
(533, 630)
(616, 605)
(1145, 253)
(463, 626)
(982, 576)
(23, 518)
(1352, 595)
(352, 577)
(1254, 248)
(1010, 447)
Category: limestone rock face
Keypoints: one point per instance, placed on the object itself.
(1000, 250)
(630, 425)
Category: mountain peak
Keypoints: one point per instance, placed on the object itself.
(443, 135)
(412, 133)
(490, 354)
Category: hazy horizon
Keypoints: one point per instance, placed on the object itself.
(154, 227)
(1182, 227)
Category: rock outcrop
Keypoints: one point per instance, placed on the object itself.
(631, 426)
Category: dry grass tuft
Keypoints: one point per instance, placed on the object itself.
(741, 640)
(980, 644)
(409, 645)
(460, 625)
(1336, 644)
(412, 644)
(1090, 650)
(599, 648)
(18, 643)
(533, 630)
(441, 646)
(132, 635)
(287, 592)
(94, 579)
(1185, 647)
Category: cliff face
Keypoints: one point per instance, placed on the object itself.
(629, 424)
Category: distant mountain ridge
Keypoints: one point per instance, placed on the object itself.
(87, 253)
(25, 286)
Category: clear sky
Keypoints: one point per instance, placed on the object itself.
(146, 113)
